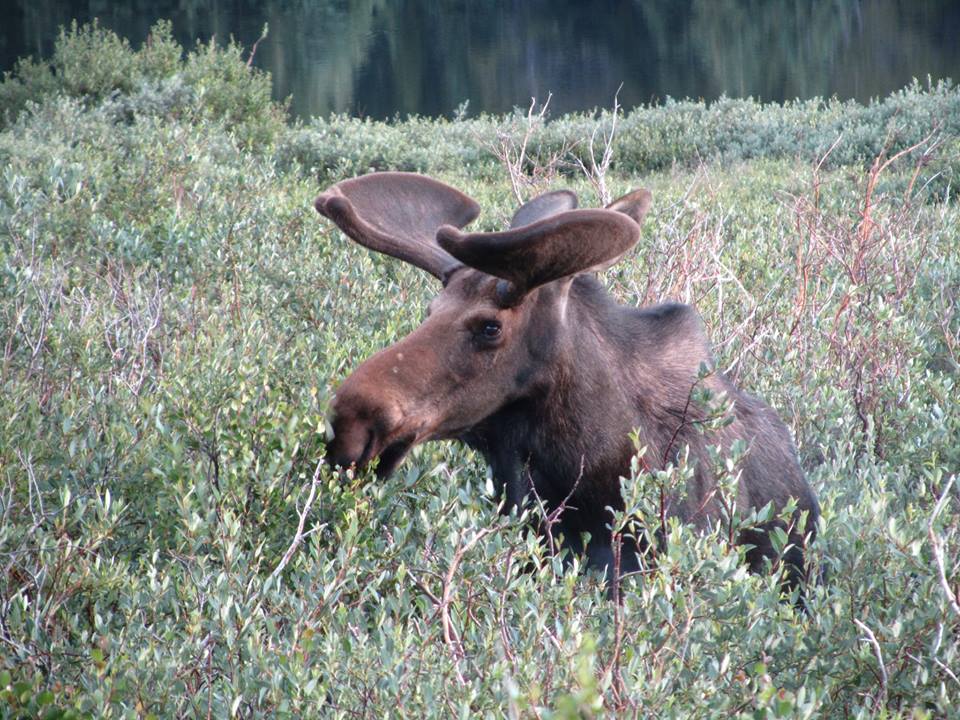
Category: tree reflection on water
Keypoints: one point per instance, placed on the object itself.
(380, 58)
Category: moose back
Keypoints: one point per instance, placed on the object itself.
(525, 357)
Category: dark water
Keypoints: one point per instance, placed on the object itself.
(379, 58)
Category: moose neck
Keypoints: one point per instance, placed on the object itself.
(611, 370)
(572, 430)
(590, 402)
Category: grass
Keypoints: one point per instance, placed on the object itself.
(174, 318)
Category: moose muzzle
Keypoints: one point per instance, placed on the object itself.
(374, 415)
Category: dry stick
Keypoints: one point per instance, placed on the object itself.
(947, 670)
(802, 266)
(740, 332)
(939, 664)
(422, 587)
(154, 312)
(951, 339)
(552, 518)
(298, 538)
(597, 174)
(209, 684)
(938, 553)
(680, 208)
(504, 635)
(613, 668)
(253, 50)
(532, 120)
(682, 425)
(502, 147)
(875, 170)
(32, 485)
(449, 634)
(872, 639)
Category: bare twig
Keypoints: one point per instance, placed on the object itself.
(449, 634)
(34, 488)
(298, 537)
(512, 148)
(597, 172)
(872, 639)
(130, 334)
(253, 50)
(871, 257)
(553, 517)
(684, 420)
(939, 664)
(879, 165)
(938, 553)
(613, 668)
(947, 670)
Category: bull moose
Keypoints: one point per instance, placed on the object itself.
(525, 357)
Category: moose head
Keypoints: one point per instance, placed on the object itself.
(525, 357)
(491, 332)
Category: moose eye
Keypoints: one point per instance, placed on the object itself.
(490, 330)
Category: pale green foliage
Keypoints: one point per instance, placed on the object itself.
(174, 317)
(649, 138)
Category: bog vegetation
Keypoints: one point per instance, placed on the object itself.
(174, 318)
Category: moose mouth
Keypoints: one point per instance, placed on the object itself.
(393, 455)
(344, 452)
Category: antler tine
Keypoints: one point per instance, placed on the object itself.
(398, 214)
(543, 206)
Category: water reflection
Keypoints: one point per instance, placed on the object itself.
(380, 58)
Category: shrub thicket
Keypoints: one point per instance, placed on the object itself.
(683, 133)
(173, 316)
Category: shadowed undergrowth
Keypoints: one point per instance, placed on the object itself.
(174, 318)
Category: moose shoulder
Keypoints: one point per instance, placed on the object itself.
(527, 358)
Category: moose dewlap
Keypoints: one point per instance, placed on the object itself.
(526, 358)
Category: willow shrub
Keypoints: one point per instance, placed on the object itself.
(174, 318)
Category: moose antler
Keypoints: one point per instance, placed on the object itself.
(543, 206)
(634, 204)
(398, 214)
(531, 255)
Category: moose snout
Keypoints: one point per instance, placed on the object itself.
(376, 413)
(352, 443)
(366, 425)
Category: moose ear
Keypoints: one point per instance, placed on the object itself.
(531, 255)
(634, 204)
(543, 206)
(398, 214)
